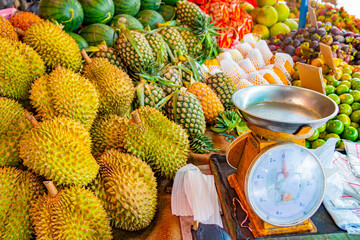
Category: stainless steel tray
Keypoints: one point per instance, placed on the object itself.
(282, 108)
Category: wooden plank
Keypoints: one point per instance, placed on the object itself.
(311, 77)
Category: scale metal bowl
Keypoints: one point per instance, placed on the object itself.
(282, 108)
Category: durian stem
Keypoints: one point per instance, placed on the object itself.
(86, 57)
(20, 32)
(33, 121)
(135, 117)
(53, 192)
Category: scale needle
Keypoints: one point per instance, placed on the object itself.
(284, 169)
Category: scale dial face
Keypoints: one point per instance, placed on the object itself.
(285, 184)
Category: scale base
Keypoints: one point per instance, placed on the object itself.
(259, 227)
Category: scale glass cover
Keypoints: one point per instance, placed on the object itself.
(285, 184)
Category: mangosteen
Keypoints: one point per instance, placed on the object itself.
(346, 48)
(296, 43)
(357, 62)
(301, 60)
(321, 32)
(311, 29)
(300, 38)
(314, 45)
(300, 31)
(334, 54)
(298, 51)
(290, 50)
(306, 34)
(340, 54)
(314, 37)
(280, 36)
(279, 50)
(335, 31)
(287, 40)
(347, 58)
(272, 47)
(349, 34)
(327, 39)
(339, 38)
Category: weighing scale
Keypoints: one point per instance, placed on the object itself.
(280, 183)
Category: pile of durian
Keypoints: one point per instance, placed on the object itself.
(67, 122)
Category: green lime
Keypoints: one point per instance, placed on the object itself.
(329, 78)
(314, 136)
(356, 95)
(347, 71)
(355, 106)
(345, 119)
(323, 134)
(333, 135)
(355, 116)
(346, 83)
(354, 124)
(317, 143)
(322, 128)
(356, 75)
(307, 144)
(329, 89)
(341, 145)
(355, 83)
(335, 126)
(345, 108)
(346, 98)
(350, 133)
(335, 83)
(345, 77)
(334, 97)
(341, 89)
(296, 83)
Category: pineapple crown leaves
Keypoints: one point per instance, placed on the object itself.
(202, 144)
(175, 100)
(227, 121)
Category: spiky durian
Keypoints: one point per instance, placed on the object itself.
(127, 187)
(20, 65)
(150, 136)
(114, 86)
(18, 190)
(7, 30)
(60, 150)
(72, 213)
(65, 93)
(24, 20)
(54, 45)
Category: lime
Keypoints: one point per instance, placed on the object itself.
(355, 116)
(346, 76)
(356, 75)
(323, 134)
(333, 135)
(355, 106)
(314, 136)
(354, 124)
(355, 83)
(356, 95)
(345, 119)
(346, 98)
(334, 97)
(347, 83)
(317, 143)
(347, 71)
(341, 89)
(307, 144)
(335, 126)
(296, 83)
(350, 133)
(341, 145)
(322, 128)
(329, 89)
(335, 83)
(345, 108)
(329, 78)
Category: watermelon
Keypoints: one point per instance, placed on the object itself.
(95, 33)
(82, 43)
(150, 4)
(97, 11)
(167, 11)
(171, 2)
(129, 7)
(129, 21)
(149, 17)
(67, 12)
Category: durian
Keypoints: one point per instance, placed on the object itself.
(54, 45)
(115, 88)
(13, 123)
(127, 187)
(65, 93)
(20, 65)
(72, 213)
(60, 150)
(149, 135)
(18, 190)
(7, 30)
(24, 20)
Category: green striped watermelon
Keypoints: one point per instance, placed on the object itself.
(95, 33)
(171, 2)
(97, 11)
(129, 21)
(149, 18)
(82, 43)
(67, 12)
(129, 7)
(167, 11)
(150, 4)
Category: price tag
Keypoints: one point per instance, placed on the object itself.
(312, 16)
(327, 55)
(311, 77)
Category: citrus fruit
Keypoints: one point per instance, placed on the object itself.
(354, 124)
(346, 98)
(317, 143)
(254, 13)
(342, 89)
(346, 76)
(333, 135)
(314, 136)
(356, 95)
(261, 30)
(356, 75)
(291, 24)
(334, 97)
(345, 108)
(296, 83)
(347, 71)
(262, 3)
(355, 106)
(345, 82)
(323, 134)
(350, 133)
(279, 28)
(345, 119)
(268, 16)
(282, 10)
(307, 144)
(354, 83)
(322, 128)
(329, 89)
(355, 116)
(335, 126)
(341, 145)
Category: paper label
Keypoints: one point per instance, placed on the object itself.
(311, 77)
(327, 55)
(312, 16)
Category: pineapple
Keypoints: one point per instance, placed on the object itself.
(148, 94)
(111, 55)
(210, 103)
(158, 46)
(190, 14)
(7, 30)
(173, 38)
(24, 20)
(224, 88)
(192, 41)
(197, 71)
(126, 49)
(171, 74)
(188, 113)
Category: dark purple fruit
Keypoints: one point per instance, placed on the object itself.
(346, 48)
(272, 47)
(300, 31)
(327, 39)
(298, 51)
(306, 34)
(281, 36)
(300, 38)
(357, 56)
(347, 58)
(334, 54)
(290, 50)
(279, 50)
(312, 29)
(350, 34)
(293, 33)
(296, 43)
(314, 45)
(339, 38)
(357, 62)
(340, 54)
(335, 31)
(315, 37)
(321, 32)
(287, 40)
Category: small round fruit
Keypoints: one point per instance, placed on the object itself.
(345, 108)
(322, 128)
(346, 98)
(347, 71)
(356, 95)
(335, 126)
(314, 136)
(296, 83)
(355, 82)
(307, 144)
(350, 133)
(345, 82)
(334, 97)
(345, 119)
(341, 145)
(333, 135)
(356, 75)
(323, 134)
(329, 89)
(355, 125)
(355, 116)
(341, 89)
(355, 106)
(345, 76)
(317, 143)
